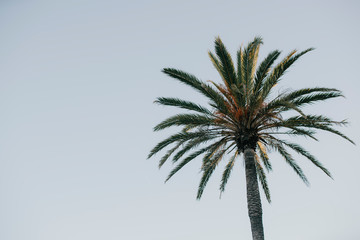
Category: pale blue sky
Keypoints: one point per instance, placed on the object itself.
(77, 85)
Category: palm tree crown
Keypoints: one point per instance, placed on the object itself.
(241, 115)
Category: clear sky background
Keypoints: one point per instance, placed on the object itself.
(77, 85)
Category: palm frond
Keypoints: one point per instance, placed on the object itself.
(281, 106)
(264, 156)
(208, 169)
(227, 172)
(226, 66)
(169, 153)
(213, 150)
(297, 148)
(210, 150)
(239, 74)
(262, 178)
(313, 121)
(185, 119)
(299, 132)
(193, 143)
(308, 121)
(216, 63)
(186, 161)
(261, 73)
(264, 69)
(289, 159)
(249, 65)
(232, 101)
(309, 99)
(279, 70)
(304, 91)
(181, 136)
(329, 129)
(200, 86)
(183, 104)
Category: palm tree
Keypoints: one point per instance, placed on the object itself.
(243, 118)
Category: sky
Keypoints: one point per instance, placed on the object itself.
(77, 85)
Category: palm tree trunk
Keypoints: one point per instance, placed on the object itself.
(253, 195)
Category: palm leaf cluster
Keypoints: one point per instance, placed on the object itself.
(242, 114)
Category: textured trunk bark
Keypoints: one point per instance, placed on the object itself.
(253, 195)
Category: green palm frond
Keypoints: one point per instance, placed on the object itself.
(181, 136)
(310, 99)
(186, 161)
(281, 106)
(226, 66)
(205, 89)
(249, 64)
(183, 104)
(297, 148)
(264, 68)
(279, 70)
(271, 80)
(216, 63)
(169, 153)
(313, 121)
(232, 100)
(195, 120)
(194, 143)
(289, 159)
(262, 71)
(211, 161)
(240, 63)
(304, 91)
(213, 150)
(262, 178)
(330, 129)
(227, 172)
(264, 156)
(299, 132)
(210, 150)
